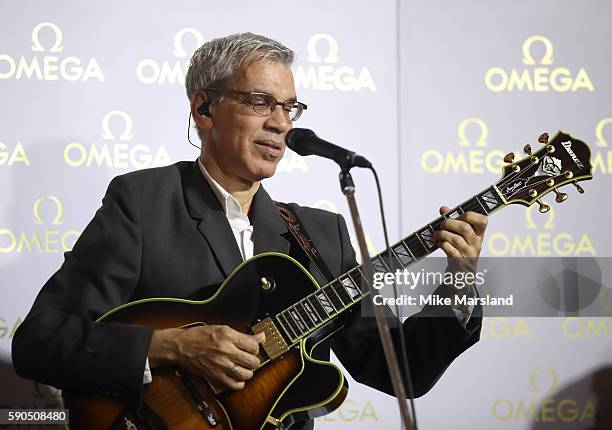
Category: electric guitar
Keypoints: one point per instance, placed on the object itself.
(290, 385)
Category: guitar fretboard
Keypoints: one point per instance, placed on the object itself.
(304, 317)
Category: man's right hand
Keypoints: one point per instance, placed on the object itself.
(224, 356)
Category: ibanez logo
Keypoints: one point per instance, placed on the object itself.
(568, 147)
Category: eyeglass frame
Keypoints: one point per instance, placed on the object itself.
(241, 95)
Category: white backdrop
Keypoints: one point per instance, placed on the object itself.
(433, 93)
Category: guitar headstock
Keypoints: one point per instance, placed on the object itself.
(562, 160)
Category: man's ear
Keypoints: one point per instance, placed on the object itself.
(200, 110)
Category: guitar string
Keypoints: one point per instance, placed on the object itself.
(328, 318)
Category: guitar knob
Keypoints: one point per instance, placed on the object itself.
(527, 149)
(561, 197)
(543, 138)
(543, 206)
(578, 187)
(509, 157)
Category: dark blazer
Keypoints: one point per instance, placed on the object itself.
(162, 233)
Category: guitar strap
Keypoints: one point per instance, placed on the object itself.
(303, 239)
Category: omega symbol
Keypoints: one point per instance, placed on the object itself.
(550, 218)
(543, 380)
(37, 46)
(601, 141)
(484, 132)
(547, 59)
(332, 55)
(179, 50)
(107, 133)
(58, 213)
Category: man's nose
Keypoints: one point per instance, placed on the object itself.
(278, 120)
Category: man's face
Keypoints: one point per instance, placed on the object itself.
(243, 143)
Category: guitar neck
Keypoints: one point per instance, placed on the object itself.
(304, 317)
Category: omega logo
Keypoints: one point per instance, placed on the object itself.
(549, 409)
(49, 240)
(115, 154)
(541, 243)
(149, 71)
(49, 67)
(323, 74)
(473, 157)
(539, 77)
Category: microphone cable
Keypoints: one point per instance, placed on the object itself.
(403, 345)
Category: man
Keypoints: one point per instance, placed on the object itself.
(180, 230)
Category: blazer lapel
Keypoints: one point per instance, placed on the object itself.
(214, 226)
(270, 233)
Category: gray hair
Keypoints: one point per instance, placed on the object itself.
(217, 63)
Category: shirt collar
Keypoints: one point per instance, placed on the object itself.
(228, 202)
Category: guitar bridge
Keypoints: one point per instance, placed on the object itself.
(274, 345)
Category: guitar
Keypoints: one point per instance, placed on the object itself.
(290, 385)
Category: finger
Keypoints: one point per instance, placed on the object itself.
(477, 221)
(246, 342)
(245, 359)
(450, 250)
(460, 227)
(444, 209)
(455, 240)
(239, 373)
(229, 382)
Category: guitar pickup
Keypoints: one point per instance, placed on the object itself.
(274, 345)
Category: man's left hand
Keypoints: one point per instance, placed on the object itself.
(461, 238)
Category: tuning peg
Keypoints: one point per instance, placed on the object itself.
(509, 157)
(561, 197)
(543, 138)
(527, 149)
(578, 187)
(543, 206)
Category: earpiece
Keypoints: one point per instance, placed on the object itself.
(203, 109)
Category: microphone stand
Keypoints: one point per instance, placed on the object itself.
(348, 189)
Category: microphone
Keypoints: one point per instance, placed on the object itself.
(306, 142)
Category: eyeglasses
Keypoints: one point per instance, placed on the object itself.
(263, 104)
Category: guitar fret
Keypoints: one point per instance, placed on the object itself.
(293, 332)
(311, 313)
(473, 205)
(403, 254)
(350, 287)
(378, 264)
(426, 236)
(435, 225)
(308, 321)
(455, 213)
(358, 280)
(484, 209)
(491, 199)
(393, 261)
(293, 313)
(333, 297)
(416, 247)
(324, 301)
(319, 309)
(344, 296)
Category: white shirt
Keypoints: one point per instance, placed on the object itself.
(239, 221)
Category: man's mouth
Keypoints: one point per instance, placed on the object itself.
(270, 146)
